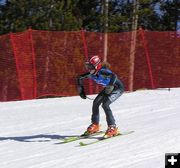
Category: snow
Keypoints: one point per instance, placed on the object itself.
(31, 130)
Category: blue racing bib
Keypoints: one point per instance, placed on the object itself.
(101, 79)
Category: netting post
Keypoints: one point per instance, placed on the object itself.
(147, 57)
(34, 63)
(17, 65)
(86, 55)
(132, 60)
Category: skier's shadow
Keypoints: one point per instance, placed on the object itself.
(36, 138)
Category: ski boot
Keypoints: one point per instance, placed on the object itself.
(111, 131)
(93, 128)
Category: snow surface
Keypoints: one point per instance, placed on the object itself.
(31, 130)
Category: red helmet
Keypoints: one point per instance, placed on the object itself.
(96, 62)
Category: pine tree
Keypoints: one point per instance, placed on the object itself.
(18, 15)
(171, 14)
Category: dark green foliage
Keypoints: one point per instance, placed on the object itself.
(60, 15)
(171, 15)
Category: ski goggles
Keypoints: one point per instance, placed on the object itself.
(89, 66)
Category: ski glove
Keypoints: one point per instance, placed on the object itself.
(82, 94)
(109, 89)
(80, 88)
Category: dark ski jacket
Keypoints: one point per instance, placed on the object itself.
(104, 77)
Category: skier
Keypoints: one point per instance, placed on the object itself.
(113, 89)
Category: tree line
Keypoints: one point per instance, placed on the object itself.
(72, 15)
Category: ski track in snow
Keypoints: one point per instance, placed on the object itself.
(30, 131)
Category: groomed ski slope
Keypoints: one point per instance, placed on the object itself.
(30, 132)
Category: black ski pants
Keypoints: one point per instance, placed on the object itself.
(105, 100)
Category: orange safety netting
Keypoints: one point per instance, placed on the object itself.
(37, 63)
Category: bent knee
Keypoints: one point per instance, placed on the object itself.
(105, 105)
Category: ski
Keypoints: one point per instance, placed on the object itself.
(99, 139)
(75, 138)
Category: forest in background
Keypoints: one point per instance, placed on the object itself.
(92, 15)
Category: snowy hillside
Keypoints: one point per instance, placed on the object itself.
(31, 130)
